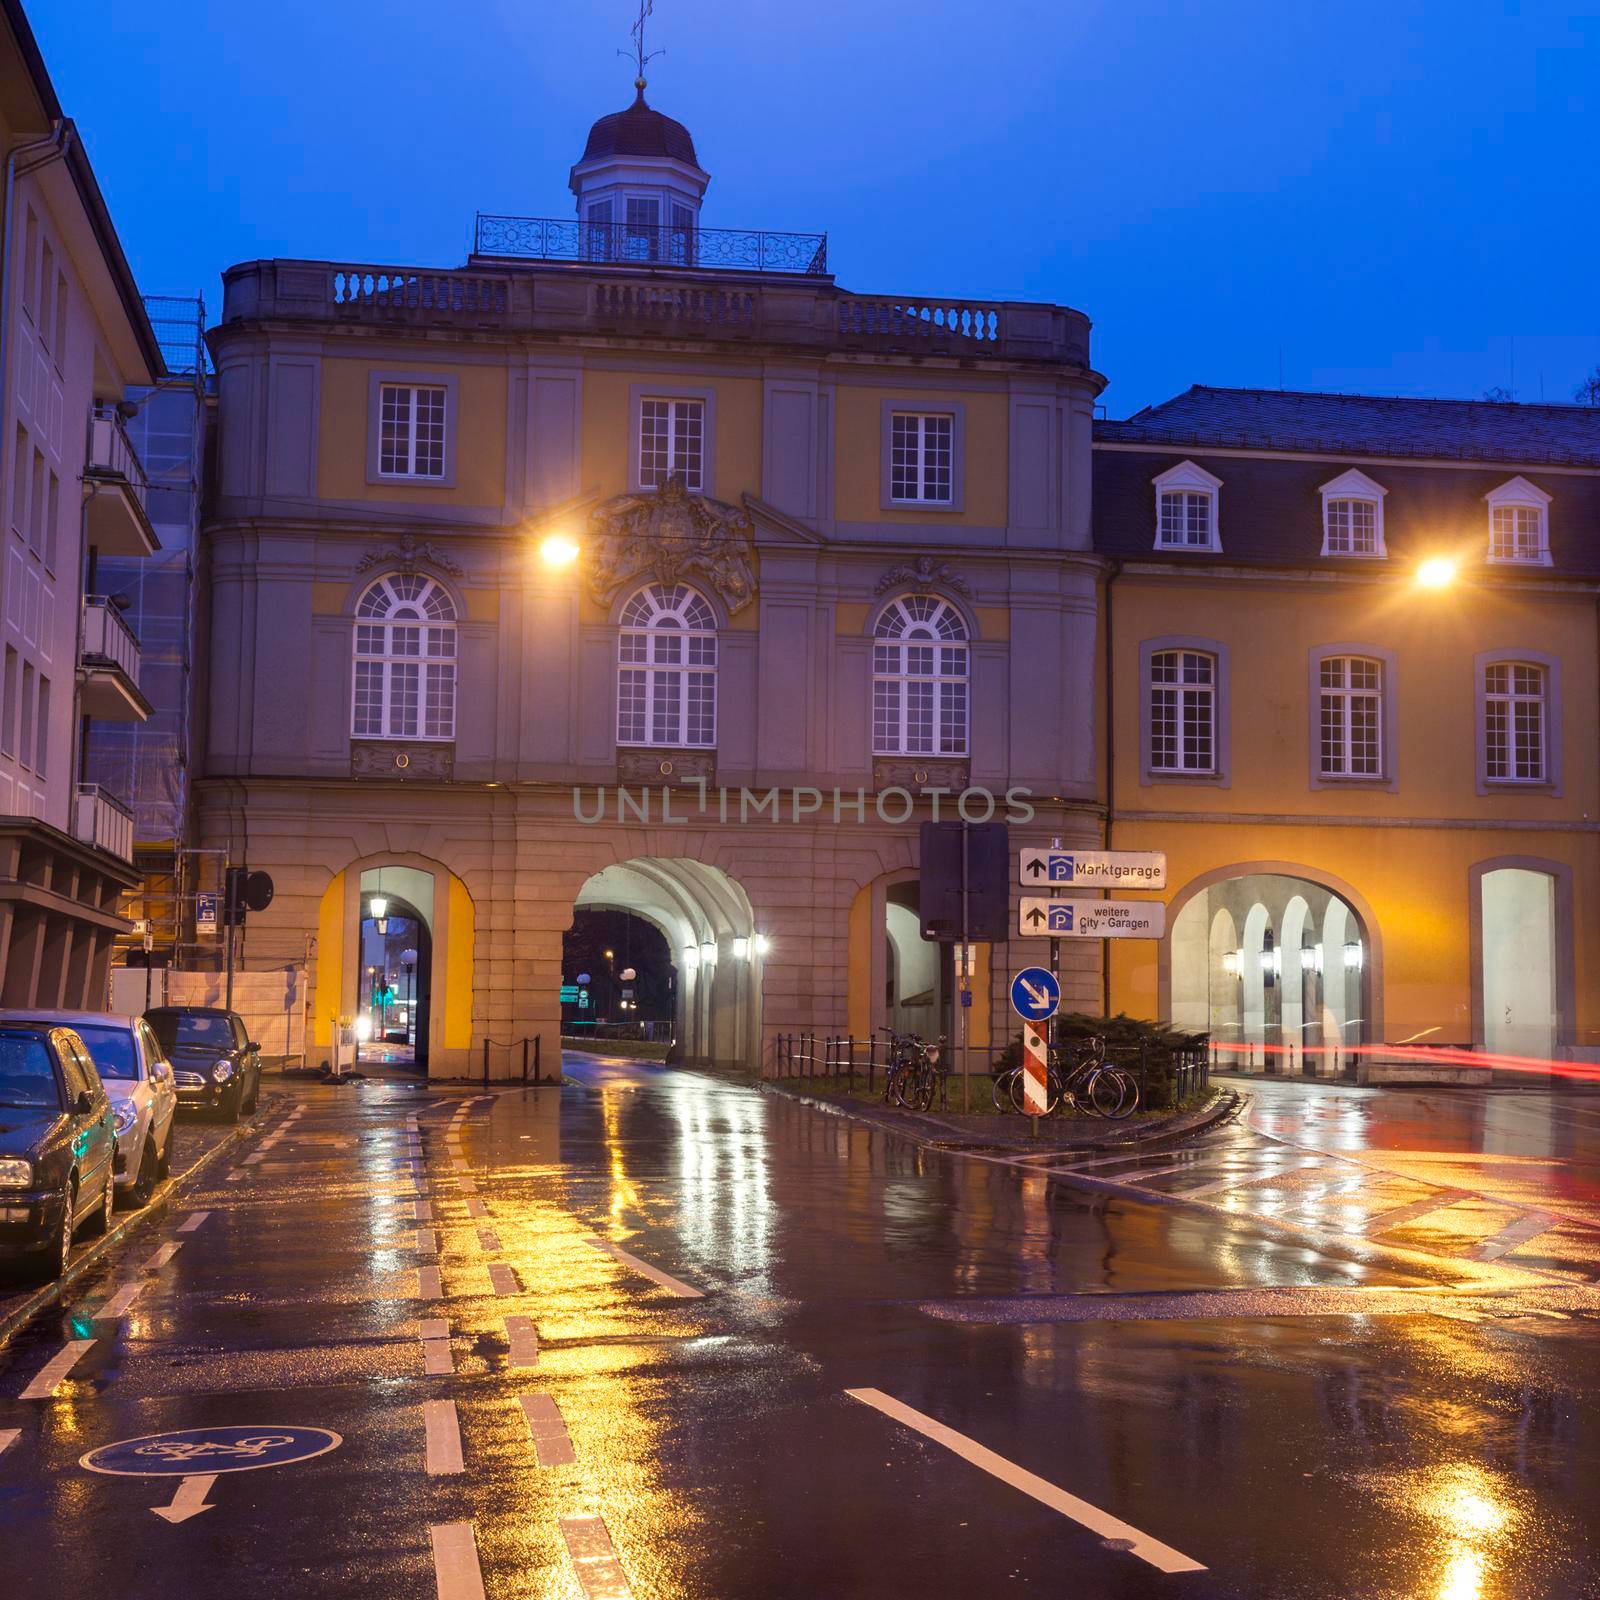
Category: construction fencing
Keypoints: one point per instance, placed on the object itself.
(275, 1003)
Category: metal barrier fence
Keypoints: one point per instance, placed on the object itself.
(531, 1056)
(842, 1056)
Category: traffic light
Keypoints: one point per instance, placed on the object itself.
(244, 890)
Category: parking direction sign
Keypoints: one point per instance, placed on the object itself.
(1090, 919)
(205, 910)
(1095, 869)
(1035, 994)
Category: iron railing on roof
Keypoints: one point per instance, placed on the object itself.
(634, 244)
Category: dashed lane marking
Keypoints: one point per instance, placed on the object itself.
(523, 1337)
(503, 1279)
(594, 1561)
(436, 1356)
(422, 1211)
(1515, 1233)
(488, 1240)
(456, 1572)
(1163, 1557)
(430, 1286)
(1246, 1181)
(466, 1186)
(235, 1177)
(8, 1437)
(427, 1242)
(193, 1221)
(163, 1255)
(118, 1304)
(552, 1445)
(673, 1285)
(476, 1208)
(442, 1437)
(55, 1370)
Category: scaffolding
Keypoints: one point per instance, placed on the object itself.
(147, 764)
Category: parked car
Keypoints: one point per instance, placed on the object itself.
(139, 1081)
(58, 1143)
(216, 1063)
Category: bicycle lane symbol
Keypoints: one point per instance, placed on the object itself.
(199, 1455)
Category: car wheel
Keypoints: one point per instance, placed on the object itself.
(164, 1165)
(53, 1259)
(100, 1224)
(144, 1185)
(255, 1096)
(234, 1104)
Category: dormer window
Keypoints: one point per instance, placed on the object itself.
(1186, 509)
(1352, 516)
(1519, 516)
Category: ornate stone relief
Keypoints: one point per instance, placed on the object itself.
(401, 759)
(918, 773)
(925, 570)
(406, 553)
(671, 536)
(651, 768)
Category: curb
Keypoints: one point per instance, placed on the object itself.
(47, 1294)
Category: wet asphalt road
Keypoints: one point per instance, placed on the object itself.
(768, 1352)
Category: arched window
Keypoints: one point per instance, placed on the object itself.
(405, 660)
(667, 669)
(919, 679)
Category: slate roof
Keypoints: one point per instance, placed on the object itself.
(641, 130)
(1368, 425)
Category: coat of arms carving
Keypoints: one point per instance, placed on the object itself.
(925, 571)
(671, 536)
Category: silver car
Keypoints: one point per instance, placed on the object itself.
(141, 1086)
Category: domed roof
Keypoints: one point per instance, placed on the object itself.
(639, 131)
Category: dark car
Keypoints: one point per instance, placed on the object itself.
(218, 1065)
(58, 1144)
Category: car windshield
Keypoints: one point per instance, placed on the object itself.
(174, 1028)
(112, 1050)
(27, 1077)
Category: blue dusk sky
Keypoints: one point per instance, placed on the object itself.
(1397, 197)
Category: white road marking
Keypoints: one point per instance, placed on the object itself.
(523, 1337)
(552, 1445)
(503, 1279)
(192, 1221)
(117, 1305)
(427, 1242)
(476, 1208)
(456, 1572)
(1509, 1237)
(190, 1500)
(458, 1165)
(1163, 1557)
(8, 1437)
(430, 1286)
(163, 1255)
(251, 1159)
(1385, 1220)
(436, 1356)
(675, 1285)
(466, 1186)
(488, 1240)
(422, 1211)
(234, 1177)
(442, 1433)
(56, 1369)
(1240, 1180)
(599, 1573)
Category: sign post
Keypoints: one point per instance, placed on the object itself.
(1035, 1073)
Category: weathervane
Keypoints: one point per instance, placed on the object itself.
(639, 53)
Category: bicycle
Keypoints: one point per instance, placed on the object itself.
(1089, 1084)
(911, 1072)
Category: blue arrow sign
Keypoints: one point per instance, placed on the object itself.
(246, 1447)
(1035, 994)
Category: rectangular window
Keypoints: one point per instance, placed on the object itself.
(598, 242)
(1514, 722)
(681, 243)
(642, 232)
(921, 457)
(60, 346)
(1183, 711)
(25, 744)
(1516, 533)
(30, 264)
(1186, 519)
(411, 430)
(40, 759)
(52, 520)
(1352, 528)
(1352, 717)
(37, 502)
(672, 442)
(47, 286)
(8, 712)
(19, 484)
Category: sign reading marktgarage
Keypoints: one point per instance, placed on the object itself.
(1090, 919)
(1093, 869)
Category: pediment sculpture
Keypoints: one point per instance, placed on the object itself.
(671, 536)
(406, 554)
(924, 571)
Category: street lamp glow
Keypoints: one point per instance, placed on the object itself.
(1437, 572)
(741, 948)
(377, 908)
(708, 954)
(557, 550)
(691, 956)
(762, 944)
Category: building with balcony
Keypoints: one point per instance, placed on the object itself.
(1354, 700)
(73, 338)
(834, 572)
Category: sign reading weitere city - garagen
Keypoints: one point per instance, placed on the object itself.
(1091, 919)
(1095, 869)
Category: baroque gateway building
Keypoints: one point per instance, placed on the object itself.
(832, 570)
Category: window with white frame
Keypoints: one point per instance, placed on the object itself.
(405, 660)
(1183, 711)
(1515, 698)
(667, 669)
(411, 426)
(1351, 717)
(598, 241)
(1519, 523)
(642, 230)
(922, 457)
(1352, 515)
(920, 679)
(1186, 508)
(672, 435)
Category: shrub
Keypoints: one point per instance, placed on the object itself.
(1131, 1042)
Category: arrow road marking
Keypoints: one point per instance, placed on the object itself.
(1163, 1557)
(55, 1369)
(456, 1572)
(190, 1500)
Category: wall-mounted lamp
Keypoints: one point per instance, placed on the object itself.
(1308, 958)
(557, 550)
(741, 949)
(691, 956)
(1352, 957)
(363, 1027)
(1230, 963)
(762, 944)
(708, 954)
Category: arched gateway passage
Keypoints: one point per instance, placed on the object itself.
(717, 952)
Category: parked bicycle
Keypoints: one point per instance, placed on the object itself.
(1077, 1078)
(912, 1072)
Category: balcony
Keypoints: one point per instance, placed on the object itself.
(109, 675)
(119, 521)
(102, 820)
(631, 244)
(637, 297)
